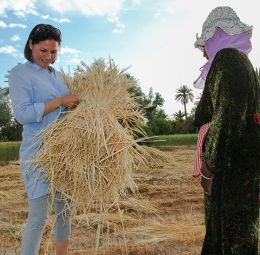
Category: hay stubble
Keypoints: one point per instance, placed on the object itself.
(176, 228)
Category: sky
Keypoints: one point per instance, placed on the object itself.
(154, 39)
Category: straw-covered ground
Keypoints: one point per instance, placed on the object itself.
(175, 227)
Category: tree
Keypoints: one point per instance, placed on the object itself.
(10, 129)
(179, 121)
(160, 124)
(151, 103)
(157, 122)
(136, 90)
(5, 109)
(184, 95)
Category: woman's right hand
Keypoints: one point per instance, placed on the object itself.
(70, 101)
(206, 179)
(206, 185)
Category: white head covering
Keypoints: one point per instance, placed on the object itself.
(225, 18)
(222, 29)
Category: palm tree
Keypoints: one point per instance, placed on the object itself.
(178, 117)
(184, 95)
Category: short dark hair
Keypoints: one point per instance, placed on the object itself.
(41, 32)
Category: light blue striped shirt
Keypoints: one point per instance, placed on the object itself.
(30, 86)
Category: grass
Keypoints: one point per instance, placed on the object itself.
(9, 151)
(171, 140)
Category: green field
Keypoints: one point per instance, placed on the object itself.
(171, 140)
(9, 151)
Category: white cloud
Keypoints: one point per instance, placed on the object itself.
(45, 16)
(90, 7)
(3, 6)
(10, 50)
(61, 20)
(2, 24)
(119, 24)
(15, 38)
(17, 25)
(117, 31)
(137, 2)
(170, 10)
(158, 14)
(64, 20)
(112, 17)
(69, 50)
(74, 60)
(25, 13)
(21, 8)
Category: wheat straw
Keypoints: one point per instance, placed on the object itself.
(91, 152)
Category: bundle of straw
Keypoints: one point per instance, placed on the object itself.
(91, 152)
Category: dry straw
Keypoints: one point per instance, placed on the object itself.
(91, 152)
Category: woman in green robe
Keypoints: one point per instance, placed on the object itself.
(230, 156)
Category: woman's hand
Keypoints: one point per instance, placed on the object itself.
(70, 101)
(206, 179)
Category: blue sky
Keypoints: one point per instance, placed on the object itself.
(154, 38)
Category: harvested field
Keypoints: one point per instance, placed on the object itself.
(175, 226)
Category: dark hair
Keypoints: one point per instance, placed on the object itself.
(41, 32)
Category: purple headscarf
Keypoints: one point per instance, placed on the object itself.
(219, 41)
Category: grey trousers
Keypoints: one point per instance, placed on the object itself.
(38, 215)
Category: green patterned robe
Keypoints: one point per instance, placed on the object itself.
(232, 153)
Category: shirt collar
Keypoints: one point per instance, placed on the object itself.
(37, 68)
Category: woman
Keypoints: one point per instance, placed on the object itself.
(227, 117)
(39, 96)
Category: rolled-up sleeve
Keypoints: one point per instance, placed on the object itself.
(39, 108)
(21, 94)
